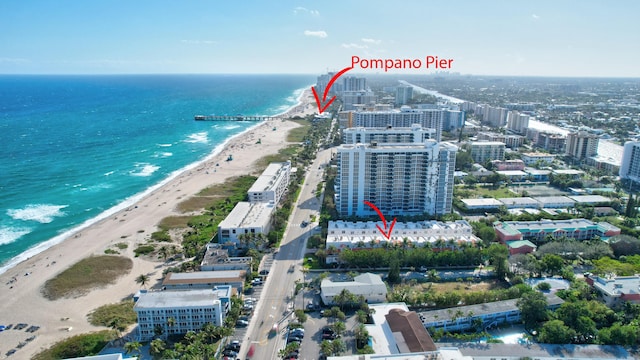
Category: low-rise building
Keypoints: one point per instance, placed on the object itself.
(520, 247)
(272, 184)
(247, 219)
(178, 312)
(481, 204)
(369, 285)
(537, 175)
(502, 165)
(554, 202)
(520, 203)
(205, 280)
(573, 173)
(615, 291)
(217, 259)
(579, 229)
(485, 315)
(591, 199)
(362, 235)
(534, 157)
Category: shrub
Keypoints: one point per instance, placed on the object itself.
(77, 346)
(121, 312)
(144, 250)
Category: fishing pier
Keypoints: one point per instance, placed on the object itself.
(232, 118)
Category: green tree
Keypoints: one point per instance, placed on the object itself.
(556, 332)
(338, 327)
(142, 279)
(533, 307)
(301, 316)
(394, 271)
(552, 264)
(326, 347)
(156, 347)
(132, 346)
(338, 346)
(497, 255)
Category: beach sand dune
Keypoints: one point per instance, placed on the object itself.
(20, 295)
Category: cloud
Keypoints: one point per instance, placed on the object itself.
(320, 33)
(371, 41)
(302, 10)
(535, 17)
(198, 42)
(354, 46)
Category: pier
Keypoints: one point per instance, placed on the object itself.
(232, 118)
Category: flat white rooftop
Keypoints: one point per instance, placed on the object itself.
(172, 299)
(268, 178)
(247, 215)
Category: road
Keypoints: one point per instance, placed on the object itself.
(276, 301)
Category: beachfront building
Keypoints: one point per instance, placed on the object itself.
(630, 167)
(400, 179)
(405, 117)
(205, 280)
(369, 285)
(581, 145)
(384, 135)
(517, 122)
(616, 290)
(579, 229)
(552, 142)
(483, 316)
(351, 99)
(453, 120)
(272, 184)
(246, 220)
(216, 259)
(483, 151)
(362, 235)
(165, 313)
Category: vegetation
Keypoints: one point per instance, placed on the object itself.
(144, 249)
(85, 275)
(121, 313)
(77, 346)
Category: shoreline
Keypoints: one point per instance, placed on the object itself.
(133, 199)
(133, 225)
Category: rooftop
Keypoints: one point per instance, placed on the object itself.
(204, 277)
(518, 201)
(618, 285)
(481, 202)
(363, 281)
(169, 299)
(247, 215)
(541, 351)
(590, 199)
(414, 337)
(216, 255)
(269, 176)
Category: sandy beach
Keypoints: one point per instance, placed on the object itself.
(21, 297)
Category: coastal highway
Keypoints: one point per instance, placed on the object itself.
(275, 301)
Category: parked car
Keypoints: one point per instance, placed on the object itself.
(264, 272)
(242, 323)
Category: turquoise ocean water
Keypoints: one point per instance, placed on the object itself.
(75, 149)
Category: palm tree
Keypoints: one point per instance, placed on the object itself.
(164, 252)
(156, 347)
(132, 346)
(142, 279)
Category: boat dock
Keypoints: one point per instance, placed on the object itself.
(232, 118)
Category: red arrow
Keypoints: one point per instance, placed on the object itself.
(384, 221)
(335, 77)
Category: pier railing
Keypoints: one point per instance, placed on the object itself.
(232, 118)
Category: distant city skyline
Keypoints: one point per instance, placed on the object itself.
(538, 38)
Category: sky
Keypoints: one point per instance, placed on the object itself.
(575, 38)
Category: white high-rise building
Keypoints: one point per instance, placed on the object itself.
(405, 117)
(400, 179)
(630, 167)
(414, 134)
(272, 184)
(518, 123)
(403, 95)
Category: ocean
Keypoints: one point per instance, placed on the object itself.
(76, 149)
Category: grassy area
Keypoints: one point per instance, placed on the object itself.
(298, 134)
(485, 192)
(445, 287)
(282, 155)
(121, 312)
(311, 262)
(85, 275)
(77, 346)
(175, 222)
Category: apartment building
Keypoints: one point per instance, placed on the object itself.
(413, 134)
(178, 312)
(582, 145)
(400, 179)
(630, 167)
(272, 184)
(483, 151)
